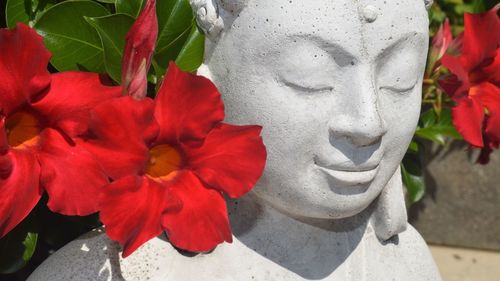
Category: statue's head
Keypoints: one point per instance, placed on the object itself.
(336, 85)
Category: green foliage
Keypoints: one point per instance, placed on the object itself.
(130, 7)
(17, 247)
(112, 30)
(18, 11)
(74, 45)
(437, 128)
(92, 37)
(191, 55)
(175, 25)
(414, 183)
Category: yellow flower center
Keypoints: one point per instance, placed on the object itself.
(22, 129)
(164, 162)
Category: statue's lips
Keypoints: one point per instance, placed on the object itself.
(351, 177)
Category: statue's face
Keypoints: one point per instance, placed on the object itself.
(338, 97)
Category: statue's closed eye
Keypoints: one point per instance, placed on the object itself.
(399, 67)
(308, 68)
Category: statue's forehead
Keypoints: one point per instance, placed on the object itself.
(362, 27)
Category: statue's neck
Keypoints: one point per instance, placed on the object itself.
(299, 244)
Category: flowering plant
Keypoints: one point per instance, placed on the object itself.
(97, 138)
(461, 93)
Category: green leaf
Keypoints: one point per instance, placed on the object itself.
(437, 128)
(17, 247)
(107, 1)
(432, 134)
(29, 245)
(191, 55)
(112, 31)
(16, 11)
(428, 118)
(73, 42)
(414, 184)
(132, 7)
(413, 147)
(175, 23)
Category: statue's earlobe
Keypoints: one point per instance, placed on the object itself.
(389, 217)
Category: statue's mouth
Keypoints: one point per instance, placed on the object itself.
(350, 176)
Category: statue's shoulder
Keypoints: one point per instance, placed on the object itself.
(417, 257)
(95, 257)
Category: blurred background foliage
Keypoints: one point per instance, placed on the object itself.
(101, 25)
(435, 125)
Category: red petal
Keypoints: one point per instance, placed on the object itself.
(139, 48)
(122, 129)
(492, 71)
(455, 66)
(4, 143)
(187, 107)
(441, 40)
(468, 118)
(23, 67)
(231, 159)
(131, 210)
(481, 37)
(20, 191)
(71, 176)
(453, 87)
(202, 223)
(489, 95)
(70, 98)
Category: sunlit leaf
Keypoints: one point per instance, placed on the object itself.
(175, 23)
(29, 245)
(437, 128)
(17, 247)
(191, 55)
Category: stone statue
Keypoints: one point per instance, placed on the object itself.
(336, 85)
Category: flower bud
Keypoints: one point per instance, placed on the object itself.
(139, 48)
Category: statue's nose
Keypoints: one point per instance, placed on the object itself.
(359, 119)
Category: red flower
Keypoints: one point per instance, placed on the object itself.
(139, 49)
(41, 117)
(440, 44)
(475, 83)
(171, 159)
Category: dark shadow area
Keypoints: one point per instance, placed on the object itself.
(434, 152)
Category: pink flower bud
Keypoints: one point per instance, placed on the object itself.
(139, 49)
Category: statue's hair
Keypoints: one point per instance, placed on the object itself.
(209, 13)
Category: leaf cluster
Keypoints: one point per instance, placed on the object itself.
(89, 35)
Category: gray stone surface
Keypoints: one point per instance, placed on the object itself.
(336, 86)
(462, 204)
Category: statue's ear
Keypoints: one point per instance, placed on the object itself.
(208, 17)
(389, 217)
(428, 4)
(213, 15)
